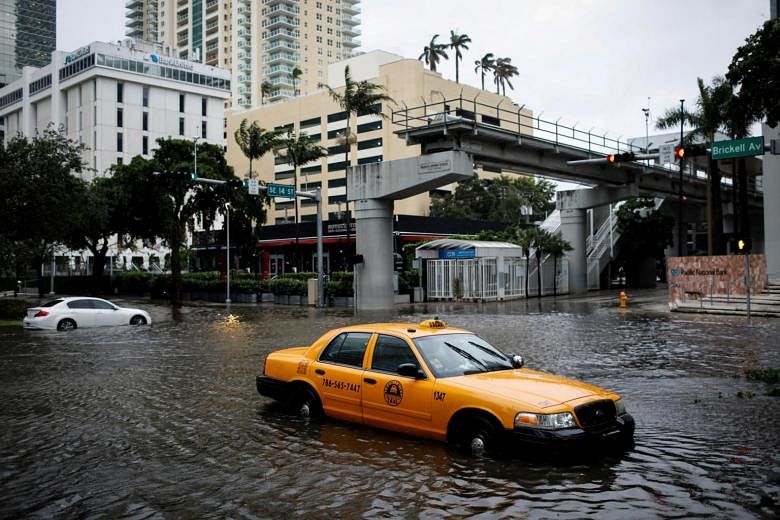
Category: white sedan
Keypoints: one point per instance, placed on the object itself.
(70, 313)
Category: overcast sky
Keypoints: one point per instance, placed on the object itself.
(589, 62)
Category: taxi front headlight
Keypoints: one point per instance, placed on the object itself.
(620, 407)
(553, 421)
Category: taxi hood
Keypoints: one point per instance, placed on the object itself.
(537, 389)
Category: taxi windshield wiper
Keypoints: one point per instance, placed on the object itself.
(467, 356)
(497, 366)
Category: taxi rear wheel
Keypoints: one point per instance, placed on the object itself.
(305, 404)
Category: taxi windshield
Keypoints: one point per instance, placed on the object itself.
(449, 355)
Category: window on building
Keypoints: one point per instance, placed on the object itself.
(145, 121)
(181, 126)
(119, 142)
(181, 102)
(120, 91)
(203, 129)
(119, 160)
(203, 103)
(120, 120)
(145, 145)
(145, 100)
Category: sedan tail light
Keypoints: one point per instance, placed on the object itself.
(41, 314)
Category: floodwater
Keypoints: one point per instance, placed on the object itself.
(164, 421)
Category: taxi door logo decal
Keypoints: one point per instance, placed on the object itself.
(394, 393)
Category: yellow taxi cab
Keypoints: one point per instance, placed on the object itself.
(441, 382)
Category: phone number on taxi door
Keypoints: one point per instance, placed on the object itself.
(340, 385)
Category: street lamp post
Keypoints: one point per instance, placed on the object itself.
(195, 154)
(680, 227)
(646, 111)
(227, 250)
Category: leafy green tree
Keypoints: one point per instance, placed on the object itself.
(458, 42)
(503, 72)
(356, 98)
(500, 199)
(433, 53)
(644, 233)
(484, 65)
(298, 149)
(255, 142)
(557, 247)
(167, 202)
(755, 68)
(36, 180)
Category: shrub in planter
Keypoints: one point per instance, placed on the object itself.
(245, 286)
(133, 282)
(299, 276)
(13, 309)
(287, 286)
(339, 288)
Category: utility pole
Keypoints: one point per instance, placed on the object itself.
(680, 226)
(646, 111)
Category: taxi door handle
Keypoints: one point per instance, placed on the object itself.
(369, 380)
(319, 371)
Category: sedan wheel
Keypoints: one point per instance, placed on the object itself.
(480, 437)
(306, 404)
(137, 320)
(66, 324)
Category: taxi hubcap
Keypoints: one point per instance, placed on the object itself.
(305, 410)
(477, 445)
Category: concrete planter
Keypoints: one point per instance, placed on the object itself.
(343, 301)
(267, 297)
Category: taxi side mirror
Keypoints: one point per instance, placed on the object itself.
(409, 370)
(518, 361)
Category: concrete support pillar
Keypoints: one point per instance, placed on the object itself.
(374, 233)
(573, 231)
(771, 181)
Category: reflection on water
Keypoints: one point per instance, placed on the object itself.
(165, 421)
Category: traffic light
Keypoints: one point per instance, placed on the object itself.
(692, 150)
(621, 157)
(744, 245)
(679, 152)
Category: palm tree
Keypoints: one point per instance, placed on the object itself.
(483, 65)
(294, 75)
(525, 239)
(255, 142)
(266, 89)
(358, 97)
(298, 150)
(709, 117)
(433, 53)
(503, 70)
(541, 244)
(458, 42)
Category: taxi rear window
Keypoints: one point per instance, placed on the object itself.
(347, 348)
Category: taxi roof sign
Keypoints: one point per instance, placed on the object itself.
(433, 324)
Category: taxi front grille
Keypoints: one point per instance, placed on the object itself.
(597, 415)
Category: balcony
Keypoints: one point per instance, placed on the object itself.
(281, 57)
(244, 43)
(245, 11)
(279, 94)
(244, 33)
(246, 56)
(350, 20)
(284, 45)
(350, 8)
(281, 21)
(245, 90)
(244, 21)
(282, 33)
(134, 4)
(350, 43)
(350, 31)
(271, 3)
(134, 14)
(212, 5)
(245, 67)
(134, 23)
(284, 8)
(245, 78)
(211, 58)
(277, 70)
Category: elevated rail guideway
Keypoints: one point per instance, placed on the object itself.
(497, 137)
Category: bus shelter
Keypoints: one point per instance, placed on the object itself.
(472, 270)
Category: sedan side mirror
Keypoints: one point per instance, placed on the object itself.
(518, 361)
(409, 370)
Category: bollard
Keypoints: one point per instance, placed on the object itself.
(623, 300)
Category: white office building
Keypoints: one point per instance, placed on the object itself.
(118, 99)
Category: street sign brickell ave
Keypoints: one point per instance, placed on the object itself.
(281, 190)
(738, 148)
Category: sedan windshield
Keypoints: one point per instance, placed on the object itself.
(449, 355)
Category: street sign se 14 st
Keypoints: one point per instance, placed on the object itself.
(281, 190)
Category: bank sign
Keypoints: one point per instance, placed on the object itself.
(171, 62)
(738, 148)
(457, 253)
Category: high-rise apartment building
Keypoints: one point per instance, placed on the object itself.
(285, 44)
(27, 35)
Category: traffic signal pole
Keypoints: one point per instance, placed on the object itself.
(680, 227)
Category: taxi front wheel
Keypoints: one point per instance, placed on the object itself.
(478, 436)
